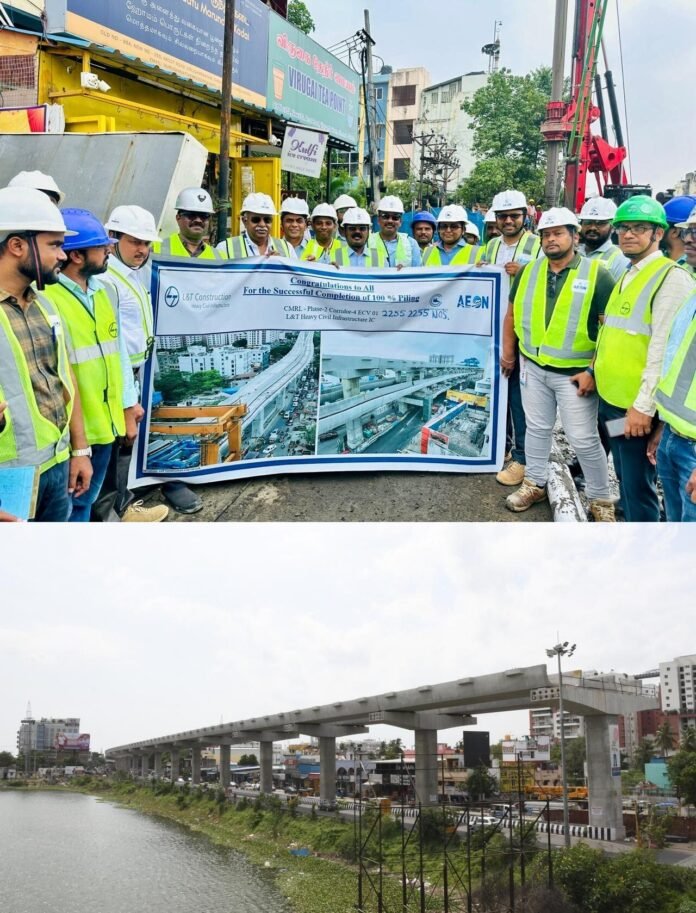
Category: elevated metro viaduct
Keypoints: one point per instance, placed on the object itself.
(425, 710)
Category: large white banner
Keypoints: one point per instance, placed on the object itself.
(271, 366)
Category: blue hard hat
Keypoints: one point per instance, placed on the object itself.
(678, 209)
(89, 231)
(424, 216)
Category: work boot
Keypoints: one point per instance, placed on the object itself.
(182, 498)
(527, 494)
(602, 511)
(138, 513)
(512, 474)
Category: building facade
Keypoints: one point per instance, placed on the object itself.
(678, 690)
(42, 735)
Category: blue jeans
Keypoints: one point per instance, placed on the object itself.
(676, 460)
(516, 419)
(636, 474)
(53, 501)
(82, 506)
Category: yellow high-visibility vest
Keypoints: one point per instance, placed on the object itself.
(676, 393)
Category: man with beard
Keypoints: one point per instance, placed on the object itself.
(595, 234)
(194, 209)
(677, 211)
(557, 302)
(355, 251)
(96, 348)
(398, 248)
(631, 349)
(40, 413)
(423, 227)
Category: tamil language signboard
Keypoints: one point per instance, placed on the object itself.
(309, 86)
(272, 366)
(183, 36)
(303, 151)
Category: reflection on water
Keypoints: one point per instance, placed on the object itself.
(68, 853)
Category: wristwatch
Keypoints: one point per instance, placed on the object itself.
(86, 451)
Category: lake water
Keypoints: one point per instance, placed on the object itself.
(69, 853)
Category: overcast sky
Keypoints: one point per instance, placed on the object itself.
(446, 38)
(149, 631)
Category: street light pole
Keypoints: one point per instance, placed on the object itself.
(558, 651)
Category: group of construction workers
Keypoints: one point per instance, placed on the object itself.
(602, 335)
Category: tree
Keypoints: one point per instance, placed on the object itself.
(643, 753)
(506, 116)
(480, 783)
(300, 16)
(681, 769)
(497, 751)
(248, 760)
(575, 758)
(392, 750)
(688, 739)
(7, 759)
(664, 738)
(173, 386)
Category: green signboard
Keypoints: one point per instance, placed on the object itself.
(309, 86)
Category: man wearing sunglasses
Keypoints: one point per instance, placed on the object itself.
(258, 212)
(355, 252)
(631, 349)
(452, 249)
(194, 209)
(595, 233)
(679, 235)
(399, 250)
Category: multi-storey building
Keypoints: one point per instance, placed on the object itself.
(41, 735)
(678, 691)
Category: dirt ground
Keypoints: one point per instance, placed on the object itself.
(364, 497)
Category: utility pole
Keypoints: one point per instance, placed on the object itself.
(224, 205)
(556, 137)
(370, 101)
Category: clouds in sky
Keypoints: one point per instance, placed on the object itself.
(145, 632)
(657, 39)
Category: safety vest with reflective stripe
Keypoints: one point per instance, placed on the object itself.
(143, 334)
(29, 438)
(376, 258)
(237, 249)
(466, 254)
(403, 248)
(527, 248)
(565, 342)
(94, 355)
(676, 394)
(173, 246)
(622, 346)
(314, 249)
(608, 256)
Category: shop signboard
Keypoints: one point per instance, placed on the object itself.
(183, 36)
(309, 86)
(267, 366)
(303, 151)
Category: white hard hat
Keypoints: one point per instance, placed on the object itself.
(27, 209)
(296, 206)
(489, 217)
(260, 204)
(471, 228)
(324, 211)
(195, 199)
(134, 221)
(453, 213)
(508, 199)
(356, 216)
(691, 220)
(345, 202)
(37, 180)
(557, 217)
(598, 208)
(390, 204)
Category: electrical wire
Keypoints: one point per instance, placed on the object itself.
(629, 164)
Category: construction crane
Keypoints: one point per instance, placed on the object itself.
(568, 125)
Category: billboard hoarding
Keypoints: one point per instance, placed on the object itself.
(309, 86)
(183, 36)
(538, 749)
(65, 742)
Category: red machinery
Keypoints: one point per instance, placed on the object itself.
(570, 123)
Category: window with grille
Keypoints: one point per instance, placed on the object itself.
(403, 132)
(402, 169)
(17, 80)
(403, 96)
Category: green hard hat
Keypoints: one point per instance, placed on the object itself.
(641, 209)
